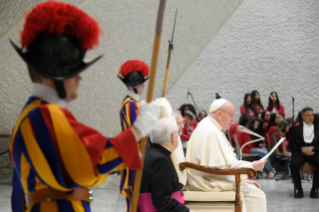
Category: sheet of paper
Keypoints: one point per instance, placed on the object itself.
(273, 149)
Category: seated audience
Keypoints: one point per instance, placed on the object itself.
(187, 107)
(246, 108)
(202, 114)
(266, 118)
(243, 120)
(256, 102)
(281, 131)
(304, 146)
(298, 120)
(275, 120)
(255, 148)
(274, 105)
(189, 126)
(160, 188)
(259, 114)
(316, 119)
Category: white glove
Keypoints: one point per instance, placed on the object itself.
(148, 114)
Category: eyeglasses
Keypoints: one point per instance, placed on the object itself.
(231, 115)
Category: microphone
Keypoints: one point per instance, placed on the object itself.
(293, 99)
(270, 96)
(244, 129)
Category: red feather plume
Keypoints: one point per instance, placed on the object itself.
(59, 18)
(134, 65)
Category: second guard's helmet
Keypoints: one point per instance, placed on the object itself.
(134, 73)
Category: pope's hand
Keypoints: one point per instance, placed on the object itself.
(253, 183)
(259, 164)
(148, 114)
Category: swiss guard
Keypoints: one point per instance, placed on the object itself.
(55, 157)
(133, 74)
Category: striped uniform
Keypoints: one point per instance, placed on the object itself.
(51, 149)
(128, 114)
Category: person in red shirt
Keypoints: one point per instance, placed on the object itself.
(275, 120)
(256, 102)
(243, 120)
(265, 116)
(274, 105)
(190, 124)
(298, 120)
(281, 131)
(246, 108)
(255, 148)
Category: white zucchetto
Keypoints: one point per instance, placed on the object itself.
(218, 103)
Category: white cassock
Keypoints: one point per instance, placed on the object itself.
(208, 146)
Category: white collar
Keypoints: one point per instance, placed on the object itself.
(216, 123)
(166, 148)
(307, 125)
(133, 94)
(48, 94)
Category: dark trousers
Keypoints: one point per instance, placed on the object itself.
(297, 160)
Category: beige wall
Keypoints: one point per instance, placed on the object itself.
(128, 28)
(267, 45)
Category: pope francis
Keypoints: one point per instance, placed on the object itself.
(208, 146)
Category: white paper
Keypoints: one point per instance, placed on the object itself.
(274, 148)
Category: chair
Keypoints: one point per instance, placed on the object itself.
(225, 201)
(244, 155)
(306, 168)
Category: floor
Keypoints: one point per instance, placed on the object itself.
(279, 197)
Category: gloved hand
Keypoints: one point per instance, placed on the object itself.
(148, 114)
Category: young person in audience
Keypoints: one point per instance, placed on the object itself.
(243, 120)
(202, 114)
(298, 120)
(316, 119)
(187, 107)
(304, 146)
(281, 131)
(190, 124)
(255, 148)
(274, 105)
(266, 118)
(259, 115)
(246, 108)
(275, 120)
(256, 102)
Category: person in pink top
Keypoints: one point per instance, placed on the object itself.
(274, 105)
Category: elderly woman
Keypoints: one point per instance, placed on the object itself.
(160, 188)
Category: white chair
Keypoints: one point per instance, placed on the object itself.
(224, 201)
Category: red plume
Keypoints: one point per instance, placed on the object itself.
(59, 18)
(132, 66)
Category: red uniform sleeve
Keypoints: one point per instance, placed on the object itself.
(125, 142)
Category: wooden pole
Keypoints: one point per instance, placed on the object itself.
(166, 73)
(138, 173)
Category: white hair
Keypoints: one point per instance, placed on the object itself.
(162, 131)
